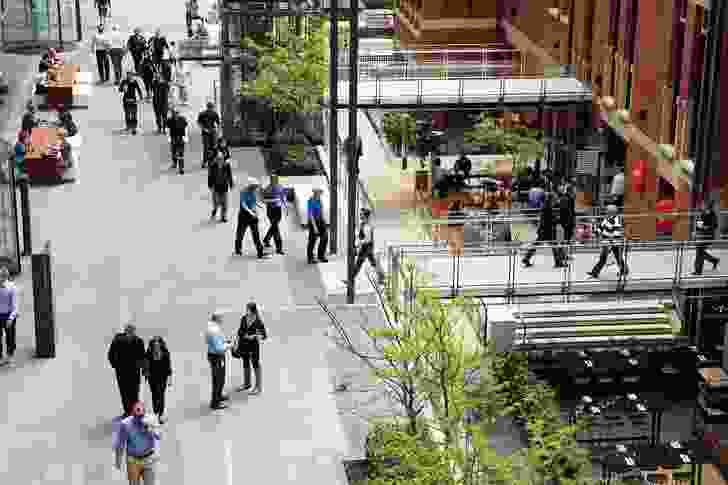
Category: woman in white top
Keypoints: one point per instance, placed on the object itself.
(101, 45)
(118, 49)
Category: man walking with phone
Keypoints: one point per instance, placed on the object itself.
(317, 228)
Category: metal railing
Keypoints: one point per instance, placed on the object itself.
(473, 56)
(409, 71)
(465, 91)
(494, 270)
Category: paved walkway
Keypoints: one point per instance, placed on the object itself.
(132, 240)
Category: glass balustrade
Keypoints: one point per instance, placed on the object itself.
(497, 269)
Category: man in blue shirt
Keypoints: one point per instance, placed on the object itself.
(275, 200)
(317, 228)
(248, 217)
(217, 345)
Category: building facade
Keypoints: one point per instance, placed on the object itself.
(657, 59)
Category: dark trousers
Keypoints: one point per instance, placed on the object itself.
(251, 357)
(129, 381)
(158, 386)
(208, 145)
(275, 214)
(245, 220)
(366, 252)
(130, 115)
(117, 55)
(617, 251)
(148, 85)
(568, 231)
(701, 254)
(177, 150)
(557, 252)
(137, 57)
(7, 327)
(217, 368)
(102, 62)
(322, 237)
(161, 107)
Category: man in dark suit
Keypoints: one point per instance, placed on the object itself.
(126, 356)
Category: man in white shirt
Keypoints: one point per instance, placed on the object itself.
(100, 43)
(118, 45)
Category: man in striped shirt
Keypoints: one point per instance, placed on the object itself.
(611, 231)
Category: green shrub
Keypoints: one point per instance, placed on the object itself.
(421, 462)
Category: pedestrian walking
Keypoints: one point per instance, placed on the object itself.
(137, 46)
(209, 122)
(103, 7)
(616, 191)
(8, 315)
(158, 44)
(126, 356)
(220, 181)
(131, 97)
(247, 347)
(365, 249)
(705, 228)
(148, 73)
(546, 234)
(317, 228)
(274, 197)
(611, 231)
(117, 53)
(160, 101)
(177, 124)
(101, 44)
(138, 438)
(158, 373)
(567, 219)
(217, 345)
(248, 218)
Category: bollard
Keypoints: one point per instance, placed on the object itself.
(25, 214)
(43, 301)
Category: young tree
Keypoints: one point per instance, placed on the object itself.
(522, 144)
(399, 130)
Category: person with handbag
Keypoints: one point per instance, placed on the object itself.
(126, 356)
(247, 347)
(158, 372)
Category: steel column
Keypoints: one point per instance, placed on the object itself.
(334, 127)
(353, 146)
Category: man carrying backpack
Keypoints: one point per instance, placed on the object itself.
(220, 181)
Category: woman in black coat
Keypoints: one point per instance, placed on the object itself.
(250, 333)
(158, 373)
(546, 234)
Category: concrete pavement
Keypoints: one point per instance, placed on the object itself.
(132, 240)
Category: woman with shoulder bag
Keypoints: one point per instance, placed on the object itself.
(158, 371)
(247, 348)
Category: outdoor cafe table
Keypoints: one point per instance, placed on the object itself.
(37, 162)
(664, 456)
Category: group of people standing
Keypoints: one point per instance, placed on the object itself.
(137, 434)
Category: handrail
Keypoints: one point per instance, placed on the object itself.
(497, 91)
(567, 284)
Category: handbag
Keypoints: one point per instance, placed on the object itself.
(236, 352)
